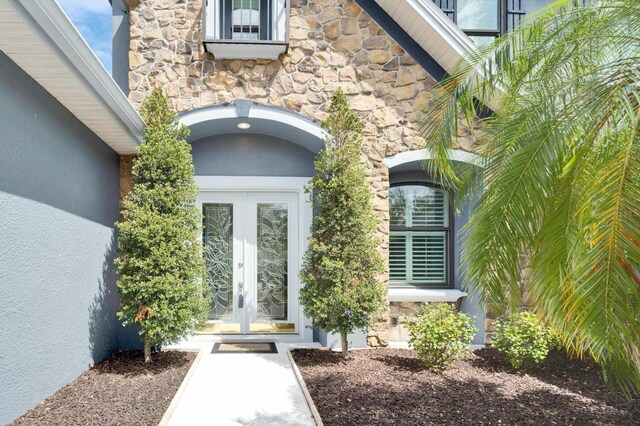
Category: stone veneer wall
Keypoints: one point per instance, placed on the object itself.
(333, 44)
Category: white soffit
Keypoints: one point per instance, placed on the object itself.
(38, 36)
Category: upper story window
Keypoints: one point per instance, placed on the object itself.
(484, 20)
(420, 236)
(246, 29)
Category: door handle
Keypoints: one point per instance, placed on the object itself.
(240, 295)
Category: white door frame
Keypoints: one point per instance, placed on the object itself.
(257, 184)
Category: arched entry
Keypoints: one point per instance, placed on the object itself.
(252, 162)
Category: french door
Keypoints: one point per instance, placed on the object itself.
(251, 250)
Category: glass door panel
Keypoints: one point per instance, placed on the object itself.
(218, 255)
(252, 261)
(222, 240)
(273, 217)
(272, 255)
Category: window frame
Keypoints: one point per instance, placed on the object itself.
(266, 30)
(503, 11)
(449, 239)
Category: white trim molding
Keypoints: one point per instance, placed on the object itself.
(424, 295)
(262, 119)
(38, 36)
(457, 155)
(251, 183)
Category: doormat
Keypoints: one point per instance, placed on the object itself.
(244, 348)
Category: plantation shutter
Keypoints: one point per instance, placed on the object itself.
(428, 257)
(429, 210)
(418, 242)
(398, 257)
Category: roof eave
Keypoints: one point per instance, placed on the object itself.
(98, 101)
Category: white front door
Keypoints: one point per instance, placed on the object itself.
(252, 254)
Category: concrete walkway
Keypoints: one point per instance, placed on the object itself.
(242, 389)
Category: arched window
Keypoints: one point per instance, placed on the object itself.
(420, 236)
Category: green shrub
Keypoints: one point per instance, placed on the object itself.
(342, 291)
(440, 334)
(522, 338)
(162, 281)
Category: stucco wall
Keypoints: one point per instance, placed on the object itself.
(58, 203)
(250, 155)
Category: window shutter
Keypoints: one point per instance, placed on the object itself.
(429, 209)
(398, 258)
(428, 257)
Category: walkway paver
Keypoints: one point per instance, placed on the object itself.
(243, 389)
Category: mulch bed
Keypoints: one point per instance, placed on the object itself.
(121, 390)
(392, 387)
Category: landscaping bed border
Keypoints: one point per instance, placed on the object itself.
(176, 398)
(307, 396)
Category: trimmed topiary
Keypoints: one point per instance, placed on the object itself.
(161, 269)
(342, 291)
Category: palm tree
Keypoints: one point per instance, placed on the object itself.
(561, 179)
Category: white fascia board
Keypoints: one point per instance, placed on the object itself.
(53, 29)
(444, 27)
(424, 295)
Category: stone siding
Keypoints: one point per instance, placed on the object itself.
(333, 44)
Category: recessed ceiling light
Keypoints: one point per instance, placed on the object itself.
(244, 126)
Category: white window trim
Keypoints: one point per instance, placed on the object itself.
(424, 295)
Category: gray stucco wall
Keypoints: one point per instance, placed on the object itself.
(470, 305)
(248, 154)
(58, 202)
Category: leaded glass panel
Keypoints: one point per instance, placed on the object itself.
(272, 262)
(218, 254)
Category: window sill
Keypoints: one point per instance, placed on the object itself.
(246, 49)
(424, 295)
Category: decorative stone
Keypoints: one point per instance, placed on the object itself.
(406, 92)
(379, 56)
(392, 65)
(406, 76)
(351, 8)
(347, 74)
(348, 43)
(363, 103)
(332, 30)
(377, 42)
(349, 26)
(384, 117)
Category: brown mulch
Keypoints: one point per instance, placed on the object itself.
(121, 390)
(392, 387)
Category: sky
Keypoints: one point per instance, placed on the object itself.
(93, 19)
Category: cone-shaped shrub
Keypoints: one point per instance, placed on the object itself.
(342, 292)
(161, 269)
